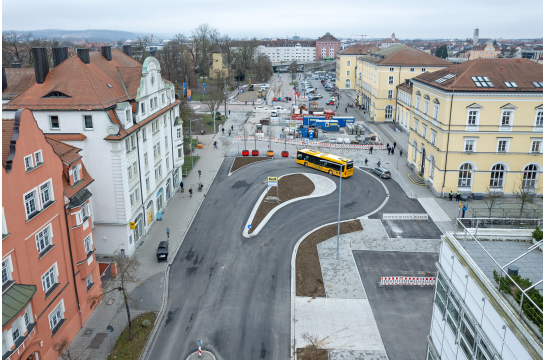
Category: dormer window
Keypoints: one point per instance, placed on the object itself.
(56, 94)
(75, 174)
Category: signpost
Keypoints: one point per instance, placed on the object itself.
(188, 95)
(199, 344)
(185, 88)
(203, 88)
(110, 331)
(272, 181)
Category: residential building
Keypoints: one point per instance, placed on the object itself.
(486, 51)
(49, 270)
(15, 80)
(478, 127)
(473, 317)
(346, 64)
(383, 70)
(388, 42)
(121, 114)
(327, 47)
(284, 51)
(218, 65)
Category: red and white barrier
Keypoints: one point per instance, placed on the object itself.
(406, 280)
(310, 143)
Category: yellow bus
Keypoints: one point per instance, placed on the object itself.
(328, 163)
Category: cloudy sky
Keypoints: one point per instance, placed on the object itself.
(244, 18)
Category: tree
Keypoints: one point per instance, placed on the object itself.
(228, 56)
(204, 40)
(213, 101)
(262, 67)
(142, 43)
(186, 111)
(61, 348)
(495, 43)
(441, 51)
(524, 191)
(293, 68)
(127, 269)
(492, 197)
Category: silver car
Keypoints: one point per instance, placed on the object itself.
(381, 172)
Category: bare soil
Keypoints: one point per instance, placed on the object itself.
(309, 281)
(289, 187)
(312, 354)
(245, 160)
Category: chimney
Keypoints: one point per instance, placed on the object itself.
(41, 64)
(4, 79)
(15, 65)
(127, 49)
(83, 54)
(106, 52)
(59, 55)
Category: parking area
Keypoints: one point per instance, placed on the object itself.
(402, 313)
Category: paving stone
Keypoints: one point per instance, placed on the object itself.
(357, 355)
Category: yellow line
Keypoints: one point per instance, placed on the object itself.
(408, 175)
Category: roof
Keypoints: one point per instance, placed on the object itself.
(79, 198)
(7, 135)
(69, 190)
(520, 71)
(67, 153)
(328, 37)
(86, 85)
(359, 49)
(14, 300)
(65, 137)
(405, 55)
(406, 88)
(483, 46)
(18, 79)
(275, 43)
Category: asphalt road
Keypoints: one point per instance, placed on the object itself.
(233, 293)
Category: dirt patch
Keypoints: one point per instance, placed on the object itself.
(289, 187)
(314, 354)
(309, 281)
(243, 161)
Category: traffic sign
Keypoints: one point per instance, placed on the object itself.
(272, 181)
(110, 328)
(250, 226)
(199, 342)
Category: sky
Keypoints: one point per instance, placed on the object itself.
(243, 18)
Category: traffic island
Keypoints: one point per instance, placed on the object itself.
(243, 161)
(206, 355)
(141, 329)
(308, 273)
(289, 187)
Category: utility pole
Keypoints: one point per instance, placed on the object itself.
(339, 219)
(225, 92)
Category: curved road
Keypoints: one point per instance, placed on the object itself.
(233, 293)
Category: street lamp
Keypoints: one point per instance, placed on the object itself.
(191, 141)
(339, 219)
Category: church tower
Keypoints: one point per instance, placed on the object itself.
(475, 36)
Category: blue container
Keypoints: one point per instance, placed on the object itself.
(311, 120)
(305, 132)
(343, 120)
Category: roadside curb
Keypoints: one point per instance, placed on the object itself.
(273, 211)
(161, 314)
(240, 168)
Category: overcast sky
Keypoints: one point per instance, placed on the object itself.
(244, 18)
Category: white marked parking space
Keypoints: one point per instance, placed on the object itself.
(435, 211)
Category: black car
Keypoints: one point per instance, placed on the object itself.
(162, 251)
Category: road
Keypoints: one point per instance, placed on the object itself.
(233, 293)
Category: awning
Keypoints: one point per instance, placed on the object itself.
(80, 197)
(14, 300)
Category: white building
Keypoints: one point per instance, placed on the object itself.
(124, 116)
(471, 318)
(285, 51)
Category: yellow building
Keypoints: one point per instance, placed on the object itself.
(346, 64)
(379, 73)
(477, 127)
(218, 65)
(485, 51)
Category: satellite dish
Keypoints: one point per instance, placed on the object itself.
(112, 129)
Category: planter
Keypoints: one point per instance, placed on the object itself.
(255, 152)
(270, 153)
(285, 153)
(245, 152)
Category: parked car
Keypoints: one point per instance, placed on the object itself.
(162, 251)
(274, 114)
(382, 173)
(318, 96)
(261, 108)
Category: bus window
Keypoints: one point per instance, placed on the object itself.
(350, 165)
(299, 156)
(334, 166)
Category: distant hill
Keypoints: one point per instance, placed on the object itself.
(91, 34)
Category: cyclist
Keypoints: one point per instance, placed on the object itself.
(216, 144)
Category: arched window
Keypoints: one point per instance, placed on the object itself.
(414, 151)
(389, 112)
(529, 181)
(432, 166)
(407, 120)
(465, 174)
(347, 84)
(497, 176)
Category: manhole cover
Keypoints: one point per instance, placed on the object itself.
(267, 245)
(88, 332)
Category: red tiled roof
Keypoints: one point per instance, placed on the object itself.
(7, 135)
(18, 79)
(67, 153)
(359, 49)
(405, 56)
(328, 37)
(69, 190)
(520, 71)
(64, 137)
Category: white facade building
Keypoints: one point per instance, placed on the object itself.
(128, 135)
(286, 51)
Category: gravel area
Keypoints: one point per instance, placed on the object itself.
(309, 281)
(289, 187)
(243, 161)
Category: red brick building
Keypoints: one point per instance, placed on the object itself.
(327, 47)
(48, 265)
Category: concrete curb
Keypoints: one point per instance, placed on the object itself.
(366, 216)
(161, 314)
(271, 213)
(240, 168)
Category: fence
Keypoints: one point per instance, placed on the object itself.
(310, 143)
(406, 280)
(510, 286)
(106, 276)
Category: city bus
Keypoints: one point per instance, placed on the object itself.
(328, 163)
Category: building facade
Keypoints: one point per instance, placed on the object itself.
(122, 115)
(478, 127)
(379, 73)
(283, 51)
(388, 42)
(218, 67)
(327, 47)
(46, 222)
(485, 51)
(346, 64)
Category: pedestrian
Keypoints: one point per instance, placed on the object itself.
(182, 186)
(253, 102)
(190, 192)
(229, 112)
(387, 145)
(394, 145)
(223, 130)
(229, 132)
(202, 132)
(450, 195)
(246, 103)
(458, 196)
(231, 127)
(371, 150)
(345, 110)
(378, 164)
(400, 152)
(388, 148)
(366, 161)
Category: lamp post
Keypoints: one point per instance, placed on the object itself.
(339, 219)
(191, 141)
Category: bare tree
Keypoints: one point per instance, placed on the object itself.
(61, 348)
(143, 43)
(213, 101)
(492, 196)
(127, 269)
(228, 56)
(313, 350)
(524, 191)
(293, 69)
(204, 40)
(186, 111)
(262, 67)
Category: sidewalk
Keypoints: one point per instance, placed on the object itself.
(149, 294)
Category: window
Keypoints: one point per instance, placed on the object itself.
(426, 108)
(30, 204)
(178, 133)
(435, 111)
(423, 70)
(6, 271)
(158, 173)
(142, 108)
(38, 157)
(43, 239)
(180, 153)
(166, 143)
(128, 115)
(89, 281)
(134, 168)
(539, 118)
(502, 146)
(472, 118)
(151, 104)
(54, 122)
(45, 192)
(129, 172)
(348, 72)
(506, 117)
(15, 333)
(88, 122)
(75, 174)
(146, 159)
(433, 137)
(88, 244)
(27, 316)
(144, 134)
(389, 112)
(417, 104)
(347, 84)
(147, 184)
(432, 166)
(127, 145)
(133, 142)
(56, 316)
(390, 94)
(412, 69)
(416, 125)
(536, 146)
(469, 145)
(375, 77)
(390, 80)
(167, 163)
(464, 175)
(84, 211)
(49, 278)
(529, 179)
(163, 98)
(391, 69)
(497, 175)
(348, 63)
(424, 131)
(28, 163)
(155, 101)
(165, 120)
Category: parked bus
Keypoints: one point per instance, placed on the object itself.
(328, 163)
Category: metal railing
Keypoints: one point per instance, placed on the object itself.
(510, 286)
(106, 276)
